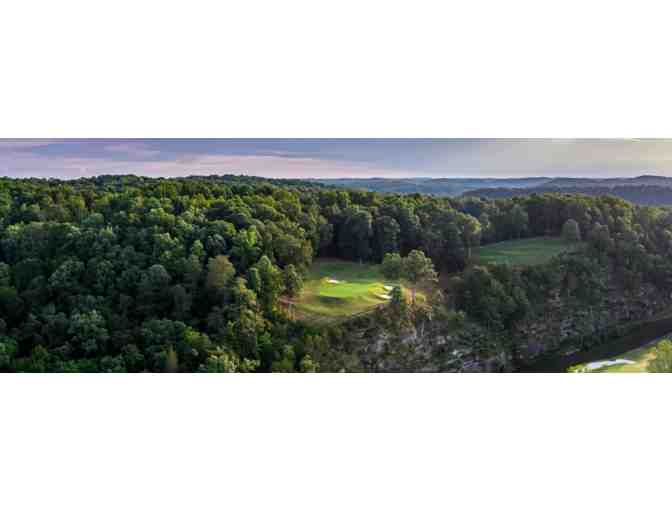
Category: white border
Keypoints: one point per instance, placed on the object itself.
(334, 441)
(344, 69)
(351, 69)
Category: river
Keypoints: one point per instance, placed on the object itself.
(647, 333)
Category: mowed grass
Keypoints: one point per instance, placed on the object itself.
(524, 252)
(641, 357)
(360, 288)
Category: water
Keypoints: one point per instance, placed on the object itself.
(645, 334)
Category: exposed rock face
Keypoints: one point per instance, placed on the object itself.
(424, 346)
(434, 346)
(563, 320)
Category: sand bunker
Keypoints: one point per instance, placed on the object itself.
(331, 280)
(388, 287)
(384, 296)
(599, 364)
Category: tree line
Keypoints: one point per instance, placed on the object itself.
(127, 273)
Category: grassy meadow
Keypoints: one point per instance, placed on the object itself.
(524, 252)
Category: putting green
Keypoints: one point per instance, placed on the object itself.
(336, 289)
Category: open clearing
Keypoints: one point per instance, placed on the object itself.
(524, 252)
(336, 289)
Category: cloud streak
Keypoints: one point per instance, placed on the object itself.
(305, 158)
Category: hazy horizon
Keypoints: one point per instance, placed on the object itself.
(337, 158)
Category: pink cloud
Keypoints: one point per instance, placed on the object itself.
(28, 164)
(138, 150)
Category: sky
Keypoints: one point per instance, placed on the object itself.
(328, 158)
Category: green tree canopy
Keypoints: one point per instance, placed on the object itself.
(571, 232)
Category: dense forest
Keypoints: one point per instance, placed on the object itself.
(127, 273)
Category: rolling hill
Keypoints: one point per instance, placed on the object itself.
(644, 190)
